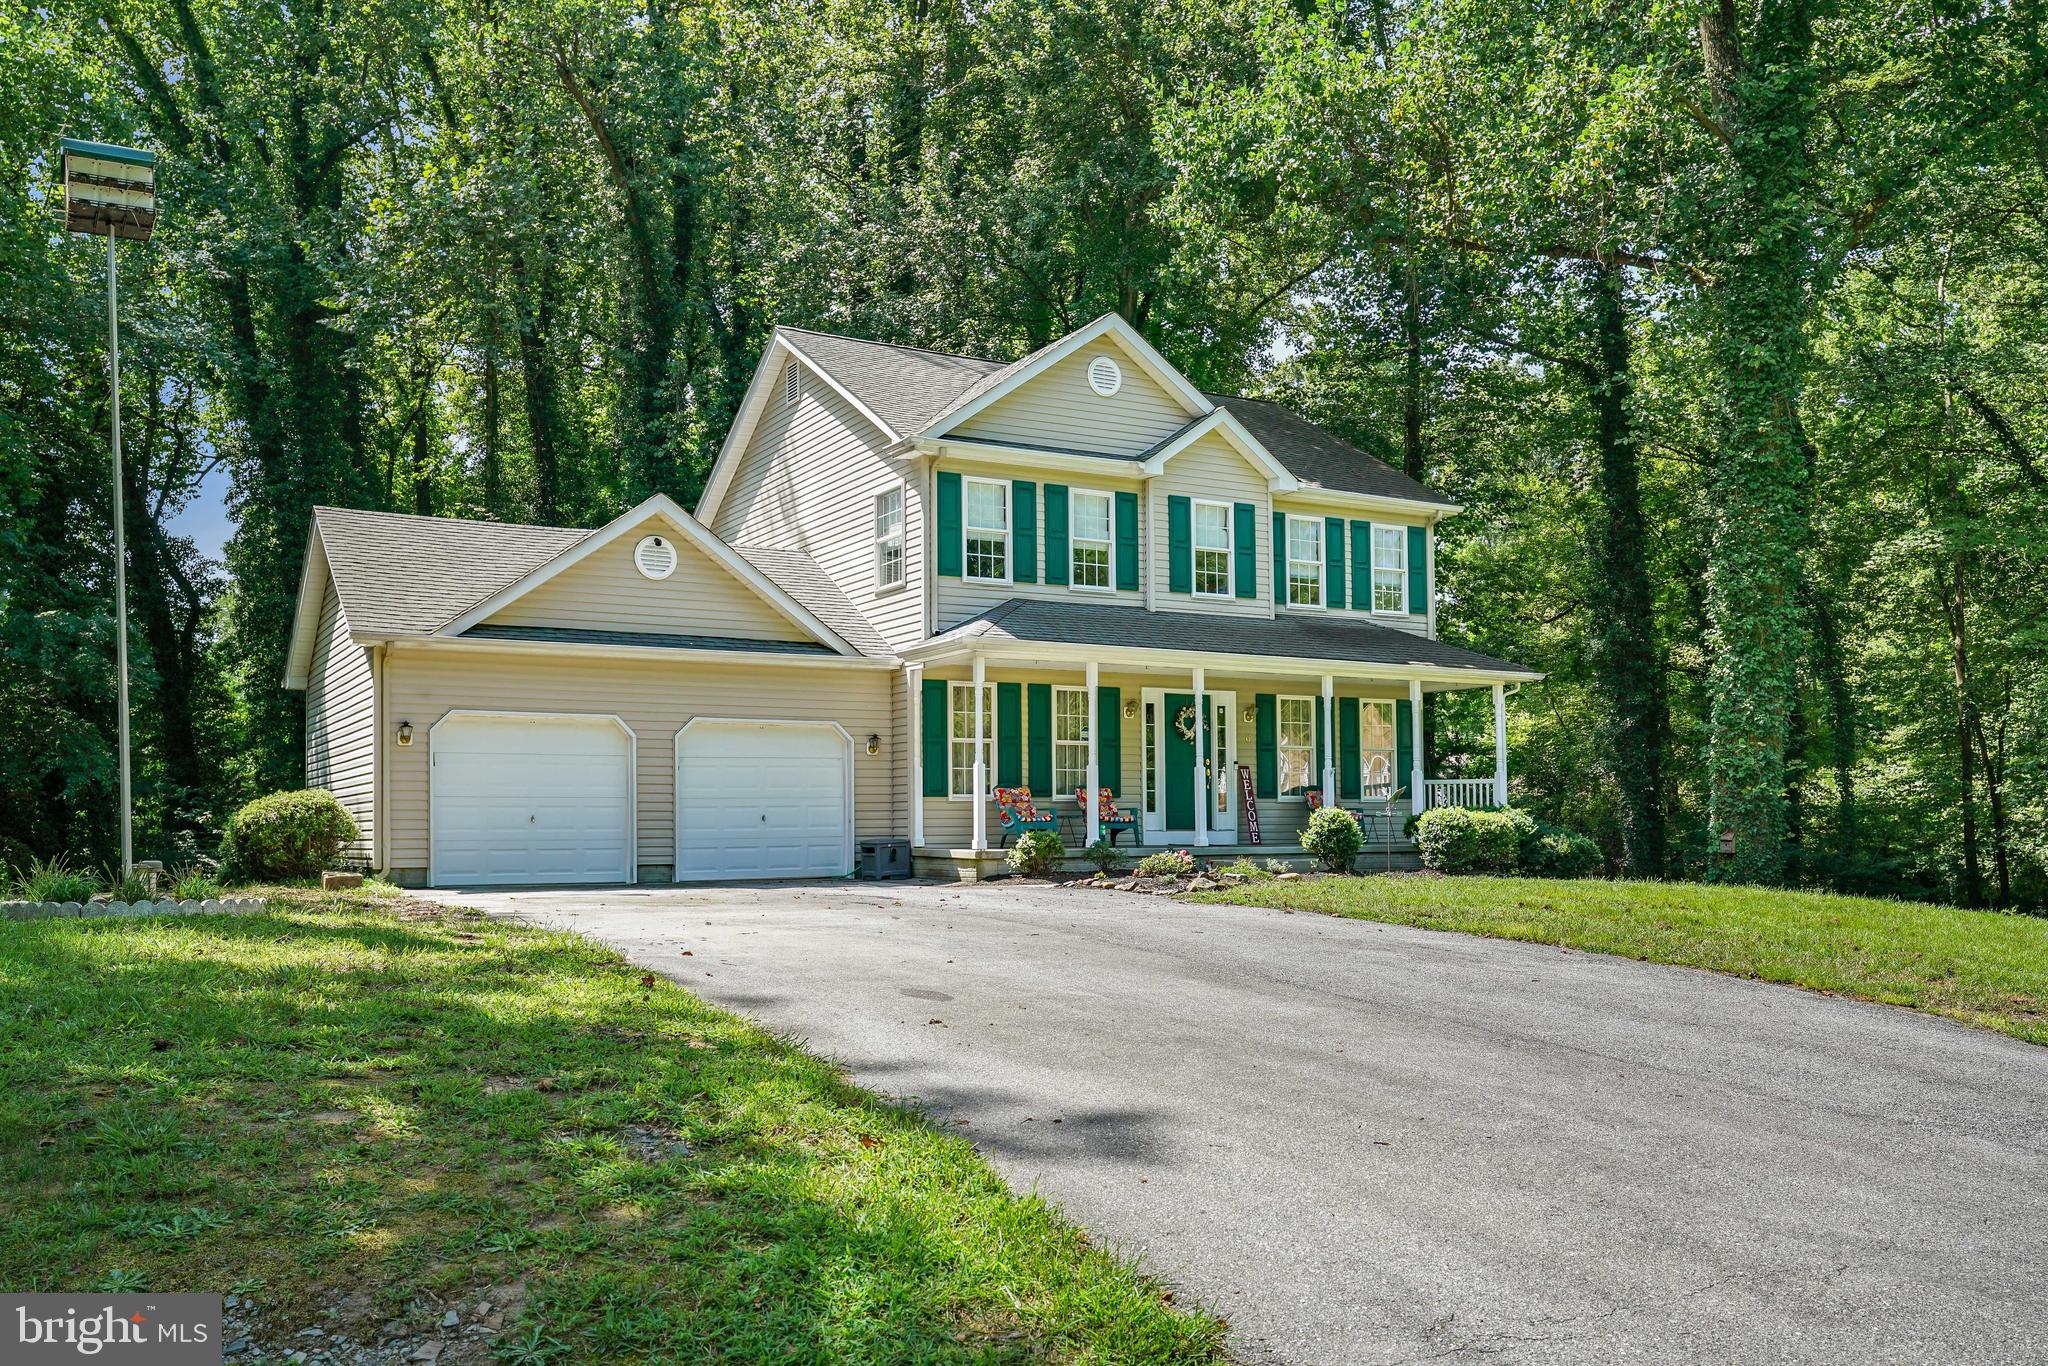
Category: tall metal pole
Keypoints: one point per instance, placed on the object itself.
(120, 559)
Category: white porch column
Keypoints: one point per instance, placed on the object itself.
(1329, 740)
(1094, 802)
(1500, 745)
(1201, 768)
(1418, 789)
(913, 679)
(980, 756)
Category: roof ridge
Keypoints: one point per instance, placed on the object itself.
(457, 521)
(893, 346)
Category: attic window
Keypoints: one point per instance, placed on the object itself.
(655, 557)
(792, 383)
(1105, 376)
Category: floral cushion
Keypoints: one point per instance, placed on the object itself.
(1014, 806)
(1106, 809)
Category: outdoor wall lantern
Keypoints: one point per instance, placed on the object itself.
(1130, 711)
(1251, 713)
(874, 744)
(404, 733)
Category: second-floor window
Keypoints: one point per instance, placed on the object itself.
(1389, 568)
(1376, 748)
(988, 530)
(1212, 550)
(1297, 745)
(1305, 561)
(1069, 740)
(889, 538)
(1089, 539)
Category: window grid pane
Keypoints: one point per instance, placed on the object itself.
(889, 537)
(988, 531)
(1070, 740)
(1389, 569)
(962, 752)
(1304, 562)
(1376, 747)
(1088, 539)
(1297, 745)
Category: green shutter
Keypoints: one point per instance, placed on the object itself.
(1347, 747)
(1009, 735)
(1418, 570)
(1269, 744)
(1333, 555)
(1280, 557)
(1109, 750)
(1056, 533)
(1039, 706)
(937, 765)
(1180, 554)
(1404, 744)
(949, 524)
(1361, 566)
(1127, 541)
(1245, 520)
(1024, 518)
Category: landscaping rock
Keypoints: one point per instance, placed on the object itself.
(650, 1144)
(1289, 877)
(340, 882)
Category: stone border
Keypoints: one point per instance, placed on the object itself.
(91, 910)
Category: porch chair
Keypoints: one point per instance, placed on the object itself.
(1114, 821)
(1017, 815)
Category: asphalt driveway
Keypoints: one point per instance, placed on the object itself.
(1367, 1143)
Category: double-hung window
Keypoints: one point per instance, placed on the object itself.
(1389, 568)
(1297, 745)
(1376, 749)
(961, 697)
(988, 530)
(889, 538)
(1305, 561)
(1089, 539)
(1069, 740)
(1212, 550)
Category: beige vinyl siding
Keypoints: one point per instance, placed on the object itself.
(341, 712)
(960, 599)
(1414, 623)
(949, 824)
(1058, 409)
(1212, 469)
(605, 591)
(807, 481)
(655, 698)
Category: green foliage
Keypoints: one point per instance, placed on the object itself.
(52, 880)
(1036, 852)
(125, 886)
(1167, 863)
(192, 884)
(1246, 869)
(1455, 839)
(1103, 854)
(1332, 835)
(286, 835)
(1550, 852)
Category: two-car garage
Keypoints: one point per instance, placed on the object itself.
(525, 798)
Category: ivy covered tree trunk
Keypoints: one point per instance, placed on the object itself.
(1764, 94)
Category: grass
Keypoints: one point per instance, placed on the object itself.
(1982, 968)
(360, 1094)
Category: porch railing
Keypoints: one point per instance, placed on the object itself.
(1471, 792)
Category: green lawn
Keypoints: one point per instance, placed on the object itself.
(1982, 968)
(358, 1094)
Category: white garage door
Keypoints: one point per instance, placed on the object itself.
(526, 799)
(762, 799)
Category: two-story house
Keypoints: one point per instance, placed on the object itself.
(913, 578)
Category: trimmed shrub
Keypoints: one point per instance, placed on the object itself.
(1103, 855)
(287, 834)
(1035, 852)
(1167, 863)
(1552, 852)
(1456, 839)
(52, 880)
(1332, 836)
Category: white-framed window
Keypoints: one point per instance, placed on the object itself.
(1304, 561)
(889, 538)
(960, 699)
(1091, 544)
(987, 518)
(1389, 568)
(1214, 547)
(1377, 746)
(1069, 740)
(1297, 736)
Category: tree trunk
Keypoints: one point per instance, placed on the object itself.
(493, 457)
(1411, 373)
(1954, 604)
(1827, 664)
(537, 380)
(1994, 794)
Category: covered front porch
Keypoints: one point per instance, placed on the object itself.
(1223, 754)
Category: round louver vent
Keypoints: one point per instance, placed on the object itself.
(1105, 376)
(655, 557)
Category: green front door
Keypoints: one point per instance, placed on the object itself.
(1178, 755)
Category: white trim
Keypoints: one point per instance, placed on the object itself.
(1440, 677)
(1008, 456)
(1280, 792)
(1418, 760)
(632, 774)
(1060, 792)
(913, 711)
(304, 643)
(1229, 593)
(757, 658)
(902, 493)
(1500, 745)
(662, 506)
(1372, 595)
(1288, 561)
(1009, 488)
(1337, 502)
(1109, 324)
(676, 774)
(987, 741)
(1224, 423)
(1092, 807)
(1429, 569)
(1108, 496)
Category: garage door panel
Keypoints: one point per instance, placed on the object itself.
(531, 799)
(760, 800)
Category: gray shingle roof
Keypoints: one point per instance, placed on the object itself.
(1338, 639)
(403, 575)
(910, 389)
(798, 575)
(569, 635)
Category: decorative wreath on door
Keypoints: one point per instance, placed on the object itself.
(1184, 723)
